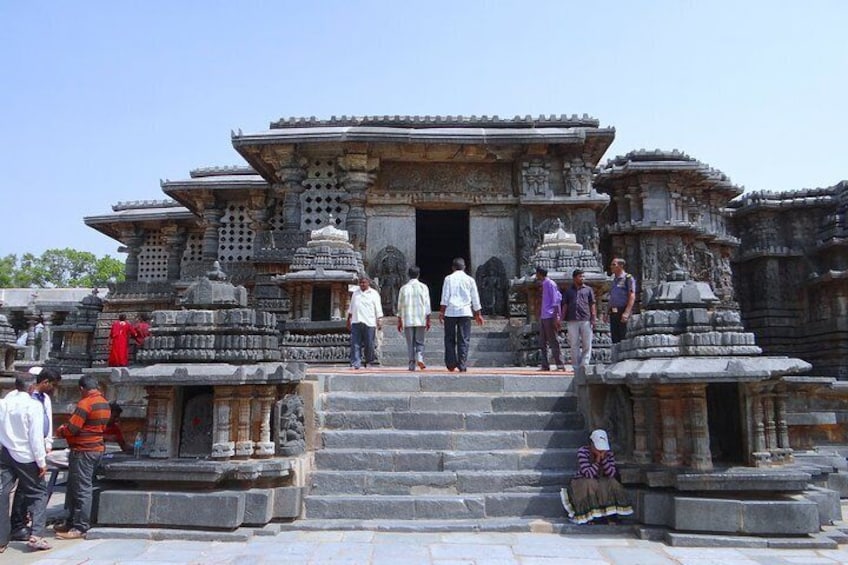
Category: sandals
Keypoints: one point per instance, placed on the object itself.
(38, 544)
(3, 547)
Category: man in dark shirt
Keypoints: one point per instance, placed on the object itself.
(621, 299)
(579, 313)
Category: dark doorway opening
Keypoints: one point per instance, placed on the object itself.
(320, 304)
(724, 415)
(196, 426)
(440, 236)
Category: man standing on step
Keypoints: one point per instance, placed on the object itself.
(363, 320)
(413, 314)
(622, 296)
(550, 321)
(460, 301)
(579, 313)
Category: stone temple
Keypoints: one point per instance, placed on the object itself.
(726, 402)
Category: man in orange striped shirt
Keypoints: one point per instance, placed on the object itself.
(84, 433)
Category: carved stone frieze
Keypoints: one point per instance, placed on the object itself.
(474, 178)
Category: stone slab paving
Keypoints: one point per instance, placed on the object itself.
(391, 548)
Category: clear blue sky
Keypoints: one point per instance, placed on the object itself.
(99, 100)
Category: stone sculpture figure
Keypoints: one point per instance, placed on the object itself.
(493, 286)
(389, 268)
(291, 438)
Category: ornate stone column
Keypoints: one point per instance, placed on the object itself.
(291, 170)
(641, 410)
(262, 405)
(46, 336)
(356, 178)
(133, 241)
(160, 421)
(211, 225)
(244, 445)
(783, 425)
(757, 426)
(259, 213)
(699, 432)
(667, 399)
(222, 446)
(176, 239)
(770, 427)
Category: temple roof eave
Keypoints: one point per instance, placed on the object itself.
(594, 140)
(115, 224)
(191, 192)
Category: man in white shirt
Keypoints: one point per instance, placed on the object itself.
(413, 314)
(23, 460)
(363, 320)
(460, 301)
(46, 380)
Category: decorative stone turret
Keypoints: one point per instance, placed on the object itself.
(318, 285)
(76, 335)
(691, 370)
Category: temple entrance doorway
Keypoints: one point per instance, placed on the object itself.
(440, 235)
(724, 417)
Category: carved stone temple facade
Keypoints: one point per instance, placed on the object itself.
(742, 304)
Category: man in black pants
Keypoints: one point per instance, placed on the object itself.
(460, 300)
(622, 296)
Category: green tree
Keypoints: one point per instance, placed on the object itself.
(59, 268)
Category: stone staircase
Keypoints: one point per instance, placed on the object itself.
(446, 447)
(490, 344)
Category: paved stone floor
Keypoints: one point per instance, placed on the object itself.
(363, 547)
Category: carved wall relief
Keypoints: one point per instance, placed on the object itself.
(390, 268)
(493, 286)
(291, 433)
(481, 178)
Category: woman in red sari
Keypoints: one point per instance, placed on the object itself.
(120, 335)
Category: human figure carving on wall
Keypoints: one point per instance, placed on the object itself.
(390, 269)
(493, 284)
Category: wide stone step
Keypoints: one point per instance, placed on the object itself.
(438, 483)
(450, 440)
(431, 421)
(448, 402)
(428, 460)
(366, 507)
(458, 382)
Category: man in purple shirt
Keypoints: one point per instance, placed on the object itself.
(580, 314)
(550, 321)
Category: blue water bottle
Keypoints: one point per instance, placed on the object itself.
(137, 445)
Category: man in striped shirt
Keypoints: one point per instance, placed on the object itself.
(84, 434)
(413, 313)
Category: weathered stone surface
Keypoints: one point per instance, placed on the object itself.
(529, 504)
(258, 506)
(215, 510)
(123, 508)
(288, 502)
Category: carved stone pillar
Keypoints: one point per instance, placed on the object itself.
(46, 336)
(759, 451)
(242, 405)
(641, 411)
(336, 302)
(211, 225)
(699, 432)
(667, 399)
(357, 183)
(133, 241)
(305, 302)
(160, 421)
(770, 427)
(783, 426)
(291, 171)
(636, 214)
(222, 446)
(175, 240)
(262, 405)
(259, 213)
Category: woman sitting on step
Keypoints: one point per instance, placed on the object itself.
(594, 493)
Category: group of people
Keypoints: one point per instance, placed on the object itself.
(126, 337)
(578, 308)
(459, 305)
(26, 449)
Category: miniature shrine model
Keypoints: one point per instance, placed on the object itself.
(725, 403)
